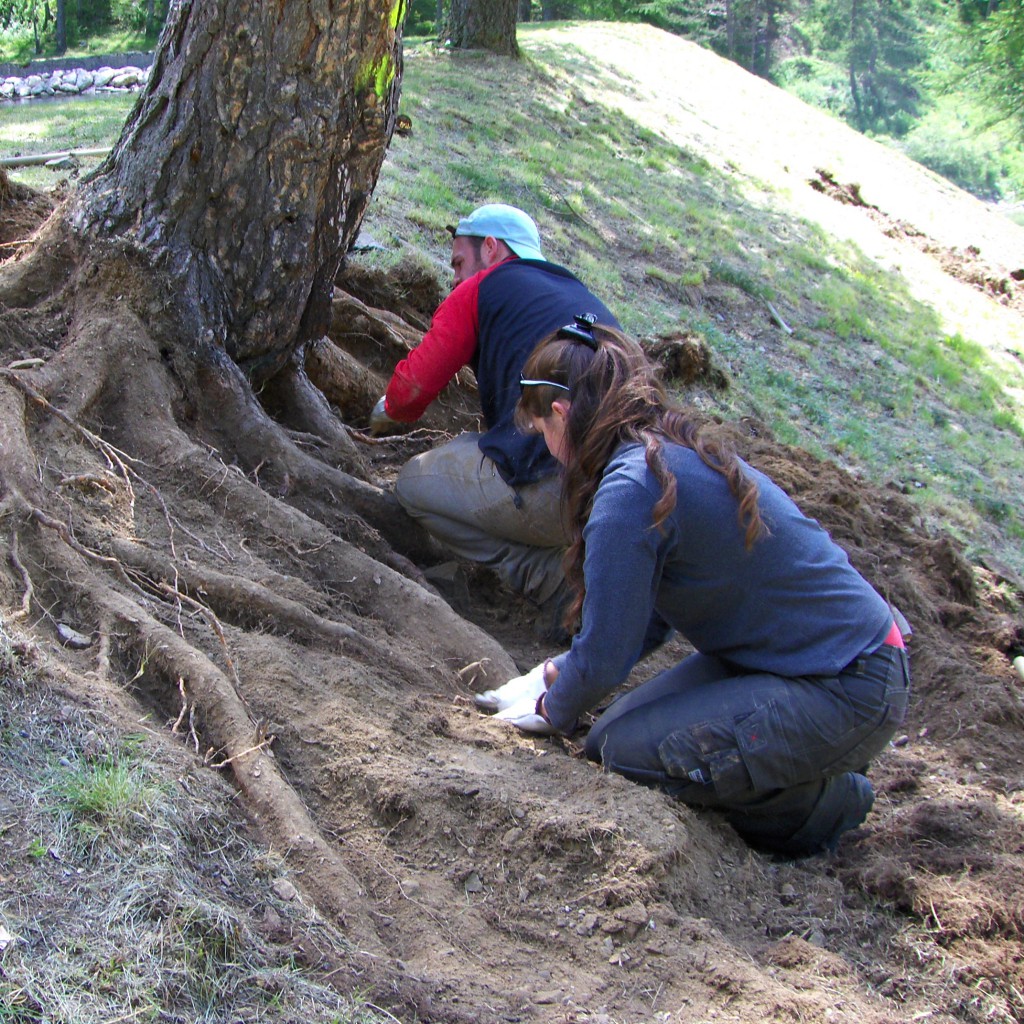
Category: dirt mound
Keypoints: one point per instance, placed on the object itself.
(22, 210)
(1005, 285)
(265, 613)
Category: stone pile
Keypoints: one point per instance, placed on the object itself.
(73, 82)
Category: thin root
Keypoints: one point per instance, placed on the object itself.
(26, 580)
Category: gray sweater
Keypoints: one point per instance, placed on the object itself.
(792, 605)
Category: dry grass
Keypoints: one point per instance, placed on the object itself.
(145, 901)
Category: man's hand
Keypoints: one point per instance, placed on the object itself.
(380, 421)
(523, 715)
(530, 685)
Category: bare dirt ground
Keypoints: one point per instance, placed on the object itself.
(248, 627)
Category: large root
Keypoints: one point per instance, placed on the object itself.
(171, 547)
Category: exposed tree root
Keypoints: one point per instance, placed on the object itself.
(156, 506)
(343, 380)
(293, 400)
(237, 740)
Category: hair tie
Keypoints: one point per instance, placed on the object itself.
(581, 329)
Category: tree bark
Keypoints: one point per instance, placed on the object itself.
(60, 29)
(246, 167)
(484, 25)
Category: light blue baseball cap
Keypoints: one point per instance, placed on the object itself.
(506, 223)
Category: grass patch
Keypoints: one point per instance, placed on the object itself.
(132, 898)
(108, 801)
(55, 125)
(18, 47)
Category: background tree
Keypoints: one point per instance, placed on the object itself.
(745, 31)
(483, 25)
(991, 55)
(882, 46)
(60, 29)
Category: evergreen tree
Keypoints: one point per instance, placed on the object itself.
(882, 45)
(993, 58)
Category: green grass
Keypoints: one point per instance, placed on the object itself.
(109, 800)
(19, 47)
(50, 126)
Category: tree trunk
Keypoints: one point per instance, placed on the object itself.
(35, 29)
(247, 165)
(730, 29)
(484, 25)
(552, 10)
(853, 63)
(771, 36)
(60, 28)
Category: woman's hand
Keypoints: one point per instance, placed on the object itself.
(523, 715)
(531, 685)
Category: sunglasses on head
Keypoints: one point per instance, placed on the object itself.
(581, 330)
(524, 384)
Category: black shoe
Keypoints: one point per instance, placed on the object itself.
(860, 798)
(842, 805)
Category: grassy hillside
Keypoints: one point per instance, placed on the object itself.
(679, 187)
(886, 335)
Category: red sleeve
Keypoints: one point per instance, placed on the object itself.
(449, 345)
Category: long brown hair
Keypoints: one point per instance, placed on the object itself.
(615, 396)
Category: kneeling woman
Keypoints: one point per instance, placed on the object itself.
(800, 675)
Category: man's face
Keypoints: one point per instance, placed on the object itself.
(467, 259)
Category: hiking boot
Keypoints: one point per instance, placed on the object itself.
(859, 801)
(843, 805)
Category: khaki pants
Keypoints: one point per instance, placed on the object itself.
(457, 494)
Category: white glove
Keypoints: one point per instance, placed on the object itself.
(531, 685)
(523, 715)
(380, 421)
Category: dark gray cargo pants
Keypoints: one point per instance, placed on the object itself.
(777, 755)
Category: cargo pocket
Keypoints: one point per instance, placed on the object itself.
(761, 739)
(731, 759)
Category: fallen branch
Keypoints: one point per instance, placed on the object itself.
(35, 159)
(778, 319)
